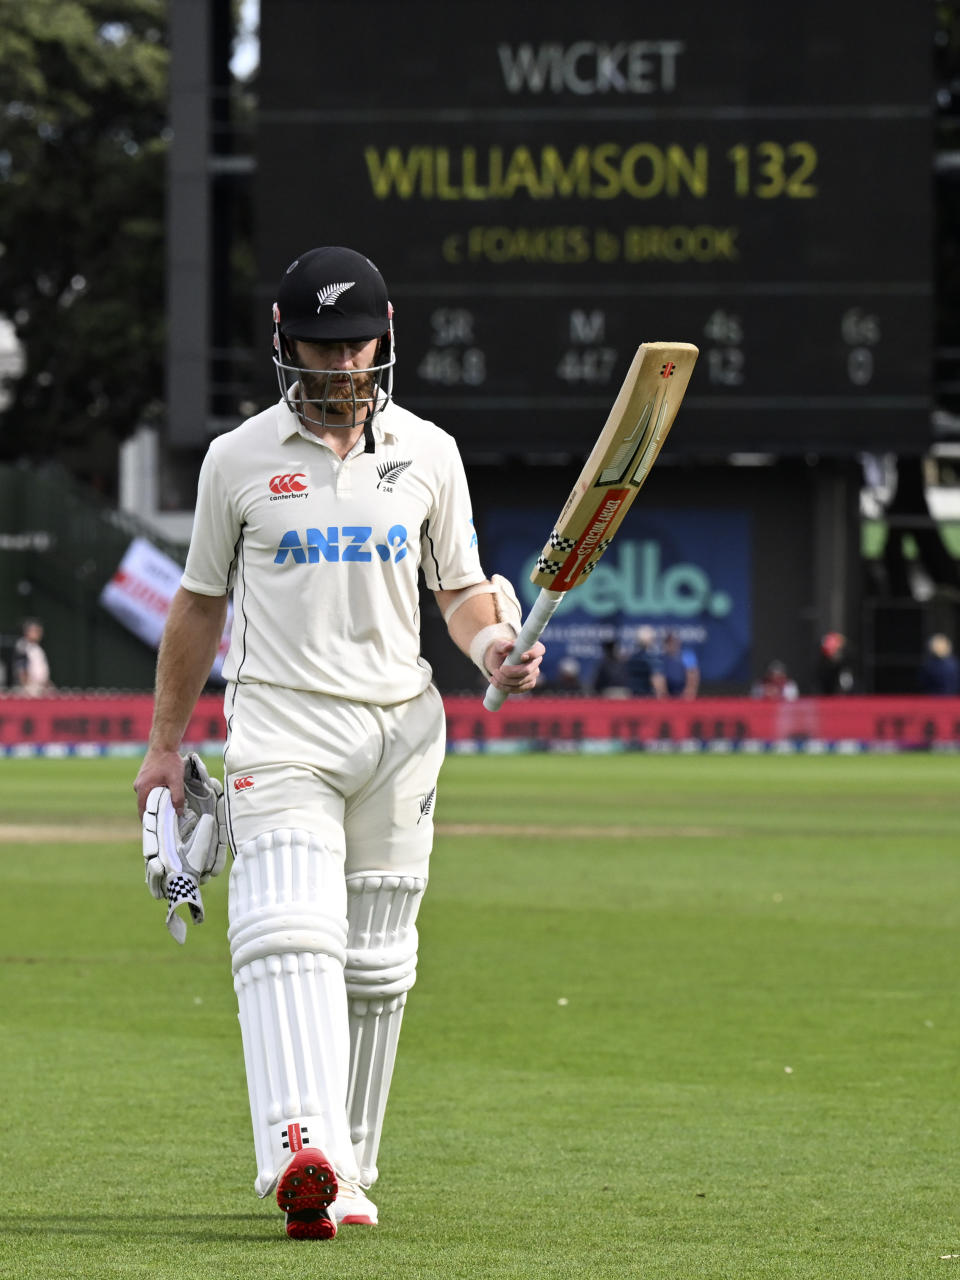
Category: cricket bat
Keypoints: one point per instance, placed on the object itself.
(619, 463)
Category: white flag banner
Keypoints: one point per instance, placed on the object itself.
(140, 593)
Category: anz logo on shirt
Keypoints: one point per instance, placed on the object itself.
(348, 543)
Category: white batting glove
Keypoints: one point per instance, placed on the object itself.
(181, 853)
(204, 795)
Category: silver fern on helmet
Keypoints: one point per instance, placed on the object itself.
(332, 292)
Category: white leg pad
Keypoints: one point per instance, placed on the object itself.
(288, 934)
(381, 968)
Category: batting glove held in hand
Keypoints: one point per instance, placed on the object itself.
(204, 795)
(181, 853)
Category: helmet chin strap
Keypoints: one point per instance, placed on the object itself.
(369, 444)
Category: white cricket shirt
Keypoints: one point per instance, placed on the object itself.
(323, 554)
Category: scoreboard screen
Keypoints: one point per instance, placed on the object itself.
(547, 185)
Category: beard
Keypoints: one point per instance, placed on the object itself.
(333, 396)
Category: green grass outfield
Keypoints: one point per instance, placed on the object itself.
(679, 1018)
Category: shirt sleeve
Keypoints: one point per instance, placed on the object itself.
(449, 554)
(215, 536)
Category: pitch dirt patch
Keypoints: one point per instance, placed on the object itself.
(62, 833)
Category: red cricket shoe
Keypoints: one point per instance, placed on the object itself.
(307, 1189)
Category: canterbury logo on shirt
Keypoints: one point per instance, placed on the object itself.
(288, 486)
(346, 543)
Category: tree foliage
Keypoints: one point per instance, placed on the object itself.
(83, 137)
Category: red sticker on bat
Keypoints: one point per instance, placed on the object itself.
(591, 538)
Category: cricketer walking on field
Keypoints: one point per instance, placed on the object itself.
(319, 514)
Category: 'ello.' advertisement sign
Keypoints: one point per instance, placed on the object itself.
(687, 571)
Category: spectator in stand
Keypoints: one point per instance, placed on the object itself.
(610, 679)
(31, 670)
(645, 668)
(939, 672)
(776, 685)
(834, 666)
(681, 671)
(566, 681)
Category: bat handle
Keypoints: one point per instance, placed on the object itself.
(543, 610)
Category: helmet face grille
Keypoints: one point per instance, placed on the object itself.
(332, 294)
(364, 403)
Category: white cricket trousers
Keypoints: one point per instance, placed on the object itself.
(330, 810)
(360, 777)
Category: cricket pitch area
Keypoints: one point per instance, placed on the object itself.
(677, 1017)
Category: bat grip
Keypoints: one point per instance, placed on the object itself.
(543, 610)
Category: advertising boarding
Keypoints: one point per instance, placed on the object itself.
(687, 571)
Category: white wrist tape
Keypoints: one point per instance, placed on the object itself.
(481, 589)
(485, 637)
(505, 600)
(508, 606)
